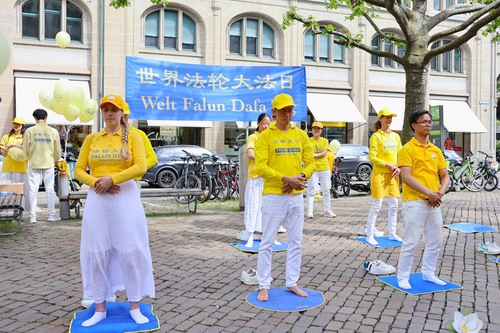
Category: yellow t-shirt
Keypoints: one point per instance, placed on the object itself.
(10, 164)
(151, 158)
(279, 154)
(384, 147)
(101, 152)
(425, 163)
(320, 164)
(252, 171)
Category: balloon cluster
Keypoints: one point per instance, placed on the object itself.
(68, 101)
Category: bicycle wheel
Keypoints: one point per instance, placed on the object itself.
(234, 183)
(491, 183)
(191, 181)
(344, 183)
(452, 184)
(206, 187)
(474, 182)
(223, 188)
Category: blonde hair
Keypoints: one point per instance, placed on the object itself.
(124, 151)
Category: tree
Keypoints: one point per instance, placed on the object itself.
(416, 26)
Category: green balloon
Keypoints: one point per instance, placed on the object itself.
(4, 53)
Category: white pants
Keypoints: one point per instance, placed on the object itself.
(324, 178)
(418, 217)
(253, 204)
(279, 208)
(375, 209)
(19, 177)
(34, 176)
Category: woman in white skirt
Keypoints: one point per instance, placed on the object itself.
(253, 189)
(114, 253)
(15, 171)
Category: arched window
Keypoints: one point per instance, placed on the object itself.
(387, 46)
(321, 48)
(170, 30)
(251, 37)
(43, 19)
(450, 62)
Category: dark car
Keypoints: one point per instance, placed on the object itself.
(355, 161)
(165, 173)
(453, 157)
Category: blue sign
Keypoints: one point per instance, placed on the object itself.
(162, 90)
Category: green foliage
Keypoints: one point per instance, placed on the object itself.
(126, 3)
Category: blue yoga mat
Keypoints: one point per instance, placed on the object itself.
(284, 301)
(419, 286)
(256, 244)
(383, 241)
(118, 319)
(470, 227)
(495, 260)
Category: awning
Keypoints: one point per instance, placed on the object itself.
(333, 108)
(459, 117)
(395, 104)
(27, 90)
(179, 123)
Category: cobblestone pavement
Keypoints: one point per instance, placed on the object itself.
(197, 272)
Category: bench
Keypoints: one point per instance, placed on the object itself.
(11, 209)
(191, 193)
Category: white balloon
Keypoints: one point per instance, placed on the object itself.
(71, 113)
(17, 154)
(335, 146)
(45, 96)
(63, 39)
(56, 107)
(62, 92)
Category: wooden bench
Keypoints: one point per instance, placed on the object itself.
(190, 193)
(11, 209)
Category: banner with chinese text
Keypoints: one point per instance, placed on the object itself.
(162, 90)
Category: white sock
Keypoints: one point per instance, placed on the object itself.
(433, 279)
(277, 243)
(97, 317)
(138, 317)
(404, 284)
(371, 241)
(250, 241)
(395, 237)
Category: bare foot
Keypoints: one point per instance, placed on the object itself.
(263, 295)
(297, 291)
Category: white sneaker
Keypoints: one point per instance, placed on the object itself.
(378, 267)
(488, 248)
(362, 231)
(310, 215)
(242, 235)
(377, 233)
(54, 218)
(87, 302)
(281, 230)
(32, 219)
(249, 277)
(330, 214)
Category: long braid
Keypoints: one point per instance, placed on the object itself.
(124, 151)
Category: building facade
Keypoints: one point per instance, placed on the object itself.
(345, 87)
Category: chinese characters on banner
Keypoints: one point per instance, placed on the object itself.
(162, 90)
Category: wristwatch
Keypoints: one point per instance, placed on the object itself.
(303, 175)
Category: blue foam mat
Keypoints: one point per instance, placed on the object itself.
(419, 286)
(281, 300)
(118, 319)
(470, 227)
(383, 241)
(495, 260)
(256, 244)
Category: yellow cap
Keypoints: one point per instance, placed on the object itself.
(113, 99)
(281, 101)
(126, 108)
(317, 124)
(19, 120)
(385, 112)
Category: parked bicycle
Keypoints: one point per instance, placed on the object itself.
(341, 184)
(488, 168)
(220, 181)
(466, 176)
(187, 180)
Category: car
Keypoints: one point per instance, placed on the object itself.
(453, 157)
(354, 160)
(170, 163)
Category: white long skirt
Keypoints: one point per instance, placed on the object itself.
(115, 253)
(253, 205)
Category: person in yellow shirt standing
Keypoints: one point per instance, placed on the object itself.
(280, 152)
(321, 173)
(151, 158)
(43, 148)
(12, 170)
(384, 148)
(421, 164)
(114, 251)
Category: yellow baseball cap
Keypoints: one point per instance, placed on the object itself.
(385, 112)
(126, 108)
(282, 100)
(113, 99)
(19, 120)
(317, 124)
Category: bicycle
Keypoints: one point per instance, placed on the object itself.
(187, 180)
(233, 175)
(488, 168)
(466, 176)
(220, 182)
(341, 184)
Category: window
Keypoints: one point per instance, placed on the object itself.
(321, 48)
(443, 4)
(173, 36)
(251, 37)
(450, 62)
(43, 19)
(387, 46)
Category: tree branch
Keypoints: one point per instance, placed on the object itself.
(452, 11)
